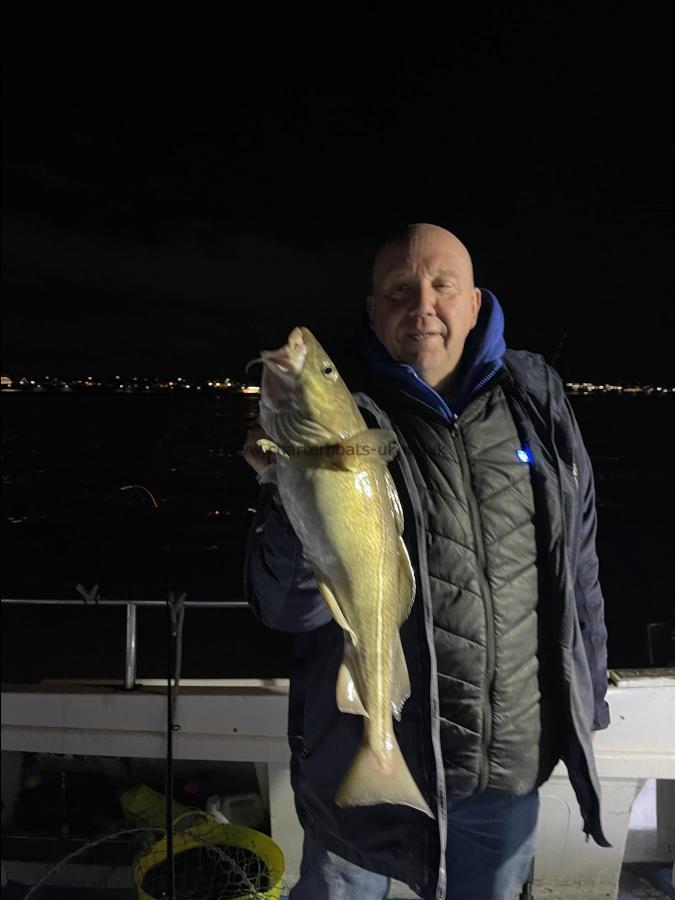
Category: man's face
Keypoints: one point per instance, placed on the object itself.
(424, 303)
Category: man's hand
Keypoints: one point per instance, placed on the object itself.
(257, 458)
(254, 456)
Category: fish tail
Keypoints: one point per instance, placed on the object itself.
(368, 782)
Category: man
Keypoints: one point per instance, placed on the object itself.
(506, 643)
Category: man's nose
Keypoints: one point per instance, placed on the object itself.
(423, 301)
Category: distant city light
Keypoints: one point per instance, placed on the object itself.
(146, 384)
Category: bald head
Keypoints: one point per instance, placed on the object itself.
(415, 238)
(424, 302)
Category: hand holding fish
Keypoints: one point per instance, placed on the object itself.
(253, 453)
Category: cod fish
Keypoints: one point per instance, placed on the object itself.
(331, 472)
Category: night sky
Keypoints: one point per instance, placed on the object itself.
(178, 195)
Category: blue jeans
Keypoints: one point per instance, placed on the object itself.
(490, 849)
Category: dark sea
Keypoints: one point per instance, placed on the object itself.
(82, 473)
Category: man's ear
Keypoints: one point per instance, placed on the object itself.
(476, 301)
(370, 306)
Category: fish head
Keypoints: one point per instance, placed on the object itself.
(304, 401)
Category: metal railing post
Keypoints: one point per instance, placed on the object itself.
(130, 655)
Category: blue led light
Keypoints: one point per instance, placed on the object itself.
(524, 455)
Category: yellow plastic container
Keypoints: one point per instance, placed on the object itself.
(194, 829)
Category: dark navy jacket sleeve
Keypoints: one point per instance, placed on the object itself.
(279, 583)
(587, 590)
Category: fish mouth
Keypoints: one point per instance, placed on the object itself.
(287, 361)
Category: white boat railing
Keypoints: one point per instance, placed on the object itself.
(131, 649)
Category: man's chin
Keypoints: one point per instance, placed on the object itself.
(426, 365)
(419, 356)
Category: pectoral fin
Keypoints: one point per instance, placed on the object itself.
(376, 445)
(379, 442)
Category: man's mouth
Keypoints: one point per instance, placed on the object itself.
(422, 335)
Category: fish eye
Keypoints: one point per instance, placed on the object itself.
(327, 370)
